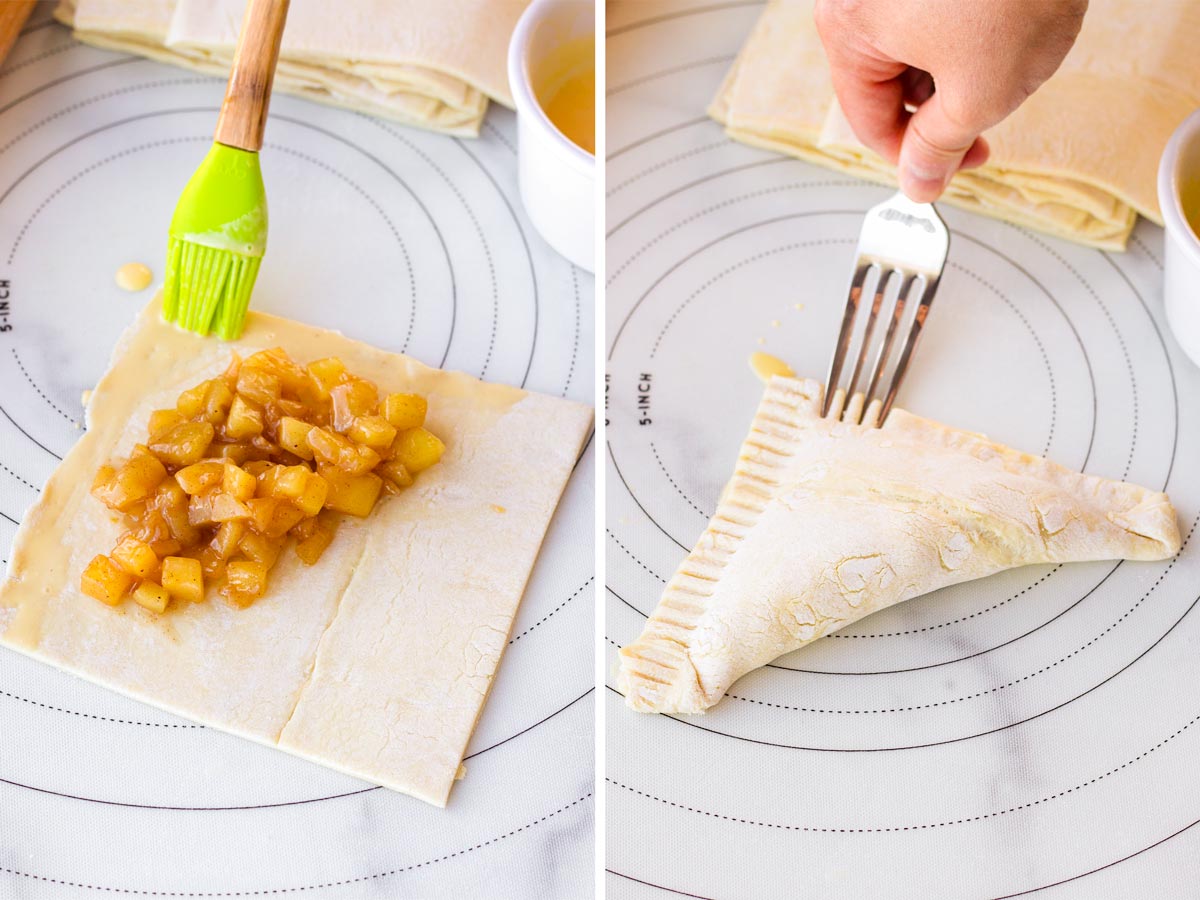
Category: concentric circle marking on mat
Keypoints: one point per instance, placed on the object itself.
(279, 148)
(1079, 277)
(680, 305)
(762, 254)
(296, 888)
(684, 177)
(150, 145)
(48, 123)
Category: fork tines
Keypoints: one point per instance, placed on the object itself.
(901, 253)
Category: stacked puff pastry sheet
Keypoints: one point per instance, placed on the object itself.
(1077, 160)
(430, 64)
(824, 523)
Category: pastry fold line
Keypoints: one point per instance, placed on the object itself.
(824, 523)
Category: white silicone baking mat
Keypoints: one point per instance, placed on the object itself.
(1036, 730)
(412, 241)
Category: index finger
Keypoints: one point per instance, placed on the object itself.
(871, 94)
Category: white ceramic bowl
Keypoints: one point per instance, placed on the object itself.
(1179, 199)
(557, 178)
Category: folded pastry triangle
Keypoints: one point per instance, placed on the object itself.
(824, 523)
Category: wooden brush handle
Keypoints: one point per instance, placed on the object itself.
(12, 17)
(244, 110)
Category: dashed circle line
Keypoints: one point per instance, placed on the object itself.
(1037, 340)
(45, 54)
(75, 712)
(95, 99)
(103, 718)
(88, 170)
(612, 458)
(297, 889)
(31, 25)
(575, 345)
(520, 232)
(971, 274)
(709, 245)
(28, 484)
(1141, 246)
(634, 558)
(412, 275)
(695, 151)
(678, 489)
(33, 385)
(679, 14)
(157, 114)
(674, 70)
(883, 829)
(715, 175)
(978, 612)
(500, 136)
(553, 611)
(283, 803)
(1049, 439)
(487, 250)
(650, 138)
(279, 147)
(729, 202)
(1049, 371)
(1001, 687)
(783, 248)
(1120, 340)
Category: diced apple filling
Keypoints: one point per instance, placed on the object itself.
(105, 581)
(405, 411)
(183, 577)
(153, 597)
(262, 454)
(135, 556)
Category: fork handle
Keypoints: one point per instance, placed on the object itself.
(248, 94)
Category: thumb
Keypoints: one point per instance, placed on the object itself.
(932, 149)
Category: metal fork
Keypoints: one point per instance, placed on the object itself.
(901, 253)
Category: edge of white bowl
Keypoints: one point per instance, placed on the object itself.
(1169, 201)
(522, 90)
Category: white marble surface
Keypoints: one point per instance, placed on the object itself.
(1033, 731)
(408, 240)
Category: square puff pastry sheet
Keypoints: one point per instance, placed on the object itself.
(430, 64)
(377, 660)
(1078, 159)
(824, 523)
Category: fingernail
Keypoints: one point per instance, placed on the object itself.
(922, 184)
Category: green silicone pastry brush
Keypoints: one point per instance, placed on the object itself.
(219, 231)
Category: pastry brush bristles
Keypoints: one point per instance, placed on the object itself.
(207, 290)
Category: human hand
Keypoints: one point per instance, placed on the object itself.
(984, 57)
